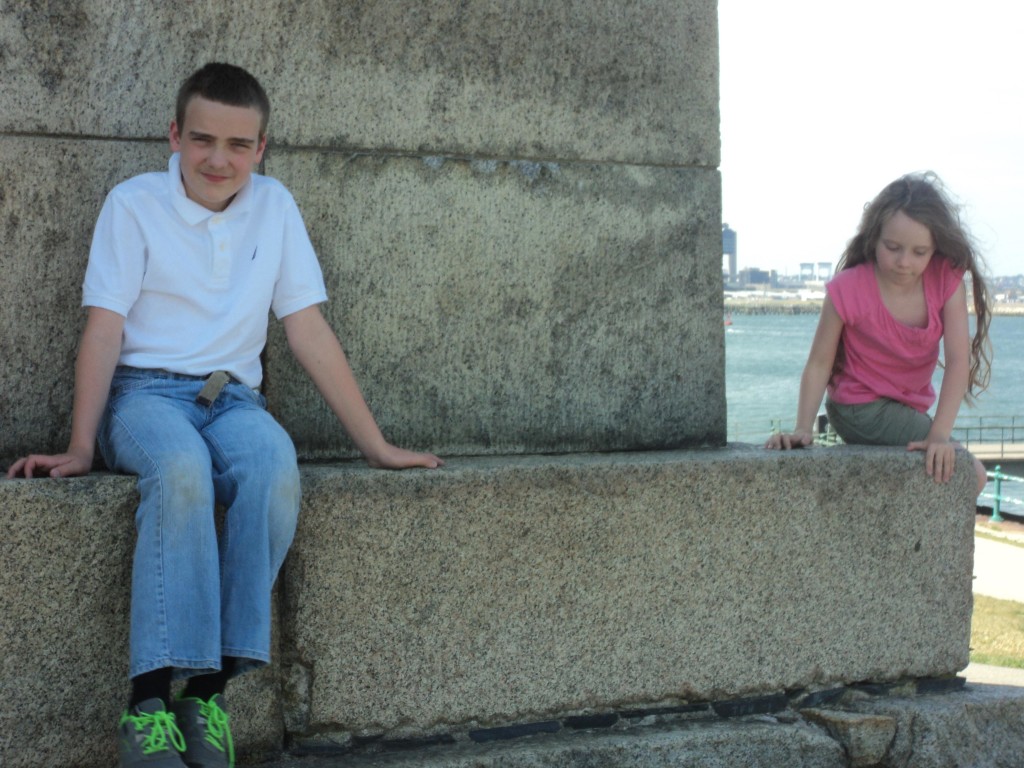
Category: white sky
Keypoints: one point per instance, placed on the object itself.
(824, 103)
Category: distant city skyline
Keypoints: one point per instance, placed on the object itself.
(820, 109)
(794, 270)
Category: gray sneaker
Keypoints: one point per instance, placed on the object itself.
(148, 736)
(207, 731)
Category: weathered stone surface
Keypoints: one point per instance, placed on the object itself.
(694, 745)
(66, 551)
(865, 737)
(537, 297)
(486, 307)
(497, 591)
(982, 727)
(51, 191)
(594, 79)
(492, 307)
(601, 80)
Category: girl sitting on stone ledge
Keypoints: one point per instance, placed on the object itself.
(899, 290)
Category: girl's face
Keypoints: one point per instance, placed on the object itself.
(903, 250)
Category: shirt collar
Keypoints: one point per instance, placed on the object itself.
(192, 212)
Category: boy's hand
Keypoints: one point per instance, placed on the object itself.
(786, 442)
(939, 457)
(60, 465)
(393, 457)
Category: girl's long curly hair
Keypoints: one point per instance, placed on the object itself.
(922, 197)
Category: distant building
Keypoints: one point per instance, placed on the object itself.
(811, 272)
(754, 276)
(729, 249)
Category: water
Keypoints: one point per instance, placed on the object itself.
(765, 355)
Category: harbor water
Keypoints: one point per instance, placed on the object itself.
(765, 356)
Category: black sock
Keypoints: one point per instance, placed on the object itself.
(205, 687)
(151, 685)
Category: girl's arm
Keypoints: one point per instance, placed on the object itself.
(97, 357)
(318, 351)
(815, 378)
(940, 453)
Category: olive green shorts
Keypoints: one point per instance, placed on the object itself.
(880, 422)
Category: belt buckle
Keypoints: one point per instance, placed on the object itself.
(212, 388)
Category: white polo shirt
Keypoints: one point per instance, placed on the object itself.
(196, 286)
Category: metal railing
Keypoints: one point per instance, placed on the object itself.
(998, 498)
(824, 436)
(1001, 430)
(1006, 431)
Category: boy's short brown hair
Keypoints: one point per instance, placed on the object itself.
(225, 84)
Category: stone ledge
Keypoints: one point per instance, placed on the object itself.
(514, 590)
(854, 729)
(981, 726)
(508, 590)
(752, 744)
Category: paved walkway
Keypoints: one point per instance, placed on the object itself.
(999, 566)
(995, 451)
(999, 573)
(983, 673)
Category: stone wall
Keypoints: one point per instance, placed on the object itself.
(444, 606)
(516, 206)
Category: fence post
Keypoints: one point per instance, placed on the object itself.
(998, 477)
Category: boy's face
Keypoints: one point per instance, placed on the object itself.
(219, 145)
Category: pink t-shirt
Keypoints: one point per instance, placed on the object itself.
(884, 357)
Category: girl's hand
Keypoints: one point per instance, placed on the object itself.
(61, 465)
(939, 457)
(393, 457)
(785, 442)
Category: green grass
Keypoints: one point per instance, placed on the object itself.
(997, 632)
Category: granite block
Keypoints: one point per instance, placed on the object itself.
(421, 605)
(594, 79)
(64, 597)
(503, 591)
(51, 191)
(496, 308)
(509, 308)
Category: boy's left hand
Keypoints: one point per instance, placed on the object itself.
(393, 457)
(939, 458)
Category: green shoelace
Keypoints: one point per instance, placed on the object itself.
(162, 728)
(218, 728)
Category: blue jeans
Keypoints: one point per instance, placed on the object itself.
(197, 597)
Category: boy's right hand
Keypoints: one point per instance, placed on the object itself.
(60, 465)
(786, 442)
(393, 457)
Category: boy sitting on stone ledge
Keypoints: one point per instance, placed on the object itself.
(184, 268)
